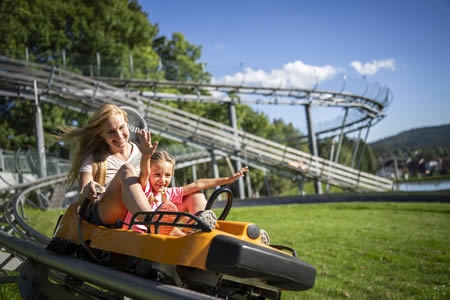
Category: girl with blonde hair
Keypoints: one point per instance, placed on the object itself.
(107, 167)
(156, 175)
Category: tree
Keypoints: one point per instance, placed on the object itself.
(18, 127)
(45, 27)
(179, 59)
(116, 29)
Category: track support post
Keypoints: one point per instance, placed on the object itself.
(237, 163)
(312, 145)
(39, 128)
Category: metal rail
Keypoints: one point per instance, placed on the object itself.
(272, 95)
(363, 109)
(26, 247)
(81, 94)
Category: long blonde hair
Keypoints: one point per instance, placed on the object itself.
(88, 140)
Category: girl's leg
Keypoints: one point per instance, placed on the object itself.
(192, 203)
(123, 193)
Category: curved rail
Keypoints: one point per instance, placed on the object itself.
(272, 95)
(27, 247)
(80, 93)
(363, 109)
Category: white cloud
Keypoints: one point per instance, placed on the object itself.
(218, 46)
(293, 75)
(374, 66)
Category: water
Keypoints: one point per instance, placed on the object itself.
(423, 186)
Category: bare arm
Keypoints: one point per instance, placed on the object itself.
(145, 170)
(147, 150)
(207, 183)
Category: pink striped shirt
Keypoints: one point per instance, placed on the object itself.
(174, 195)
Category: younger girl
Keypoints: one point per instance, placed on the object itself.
(156, 174)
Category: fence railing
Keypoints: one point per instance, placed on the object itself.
(25, 161)
(80, 93)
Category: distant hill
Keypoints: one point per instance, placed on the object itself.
(415, 139)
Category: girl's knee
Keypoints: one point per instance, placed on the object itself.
(198, 197)
(195, 202)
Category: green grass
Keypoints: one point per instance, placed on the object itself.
(364, 250)
(9, 291)
(360, 250)
(43, 221)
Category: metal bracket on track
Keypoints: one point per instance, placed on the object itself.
(34, 284)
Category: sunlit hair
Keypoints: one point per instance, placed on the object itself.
(87, 140)
(161, 155)
(157, 157)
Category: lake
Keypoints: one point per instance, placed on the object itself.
(423, 186)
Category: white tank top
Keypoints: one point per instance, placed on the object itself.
(113, 163)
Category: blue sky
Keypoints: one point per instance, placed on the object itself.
(403, 45)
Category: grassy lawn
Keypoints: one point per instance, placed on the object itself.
(360, 250)
(364, 250)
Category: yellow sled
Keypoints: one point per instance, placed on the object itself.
(228, 261)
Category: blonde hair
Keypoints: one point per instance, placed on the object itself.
(88, 140)
(161, 155)
(158, 156)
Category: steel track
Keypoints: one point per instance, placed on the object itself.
(23, 246)
(82, 94)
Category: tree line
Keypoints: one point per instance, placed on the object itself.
(76, 32)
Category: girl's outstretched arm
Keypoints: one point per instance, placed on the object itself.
(207, 183)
